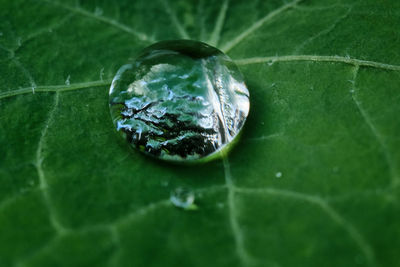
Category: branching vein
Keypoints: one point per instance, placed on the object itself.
(201, 16)
(26, 73)
(323, 32)
(246, 61)
(142, 211)
(78, 10)
(374, 130)
(162, 203)
(231, 44)
(340, 59)
(325, 207)
(175, 21)
(55, 88)
(244, 257)
(43, 184)
(216, 34)
(47, 29)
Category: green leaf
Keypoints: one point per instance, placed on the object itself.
(314, 180)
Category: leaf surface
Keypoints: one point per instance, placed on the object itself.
(314, 180)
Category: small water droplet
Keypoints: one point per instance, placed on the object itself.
(164, 183)
(183, 198)
(179, 101)
(278, 175)
(67, 82)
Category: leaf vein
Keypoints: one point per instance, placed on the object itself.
(78, 10)
(201, 15)
(377, 135)
(55, 88)
(232, 43)
(181, 30)
(243, 255)
(323, 32)
(26, 73)
(48, 29)
(361, 242)
(43, 183)
(315, 58)
(216, 34)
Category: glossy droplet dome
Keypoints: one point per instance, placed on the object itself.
(179, 100)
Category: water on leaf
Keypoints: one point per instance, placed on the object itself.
(183, 198)
(179, 101)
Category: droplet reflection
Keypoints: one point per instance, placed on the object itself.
(180, 101)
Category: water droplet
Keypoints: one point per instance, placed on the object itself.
(278, 175)
(183, 198)
(179, 101)
(67, 82)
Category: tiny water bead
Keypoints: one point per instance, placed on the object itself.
(183, 198)
(179, 101)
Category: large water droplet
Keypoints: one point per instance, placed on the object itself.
(179, 100)
(183, 198)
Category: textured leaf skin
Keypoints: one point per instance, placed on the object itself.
(314, 180)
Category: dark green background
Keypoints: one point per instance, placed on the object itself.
(324, 79)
